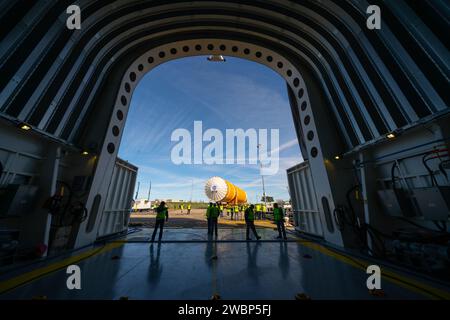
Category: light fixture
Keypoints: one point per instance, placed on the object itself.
(84, 153)
(24, 126)
(216, 58)
(337, 157)
(390, 135)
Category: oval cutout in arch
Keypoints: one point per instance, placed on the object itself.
(119, 115)
(245, 50)
(94, 213)
(327, 213)
(115, 131)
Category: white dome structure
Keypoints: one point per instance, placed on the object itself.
(216, 189)
(220, 190)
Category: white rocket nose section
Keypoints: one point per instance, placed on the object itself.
(216, 189)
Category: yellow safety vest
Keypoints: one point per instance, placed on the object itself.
(278, 214)
(249, 214)
(161, 213)
(214, 212)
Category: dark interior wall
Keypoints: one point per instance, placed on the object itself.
(269, 19)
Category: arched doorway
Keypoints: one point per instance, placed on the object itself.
(362, 87)
(301, 105)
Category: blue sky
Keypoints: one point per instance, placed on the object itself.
(230, 95)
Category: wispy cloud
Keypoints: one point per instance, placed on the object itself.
(233, 95)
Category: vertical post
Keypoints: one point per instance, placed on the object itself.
(36, 228)
(367, 174)
(137, 191)
(52, 170)
(149, 191)
(262, 178)
(264, 190)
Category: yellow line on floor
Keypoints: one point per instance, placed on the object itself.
(405, 282)
(40, 272)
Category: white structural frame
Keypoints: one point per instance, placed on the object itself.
(180, 49)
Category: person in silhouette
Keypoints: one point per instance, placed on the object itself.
(162, 215)
(214, 216)
(278, 218)
(208, 217)
(250, 222)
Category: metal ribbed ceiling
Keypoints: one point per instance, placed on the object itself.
(378, 80)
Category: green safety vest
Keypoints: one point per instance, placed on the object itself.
(250, 215)
(236, 209)
(208, 211)
(161, 213)
(258, 207)
(221, 208)
(214, 212)
(264, 209)
(189, 207)
(277, 214)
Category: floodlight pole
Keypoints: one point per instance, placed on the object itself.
(192, 189)
(149, 191)
(137, 191)
(262, 178)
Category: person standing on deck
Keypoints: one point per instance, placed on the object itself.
(214, 216)
(208, 217)
(278, 218)
(162, 215)
(250, 222)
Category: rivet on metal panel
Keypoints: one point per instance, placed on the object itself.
(16, 79)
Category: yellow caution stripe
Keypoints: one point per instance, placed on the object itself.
(403, 281)
(25, 278)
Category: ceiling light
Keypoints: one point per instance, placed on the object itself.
(390, 135)
(24, 126)
(216, 58)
